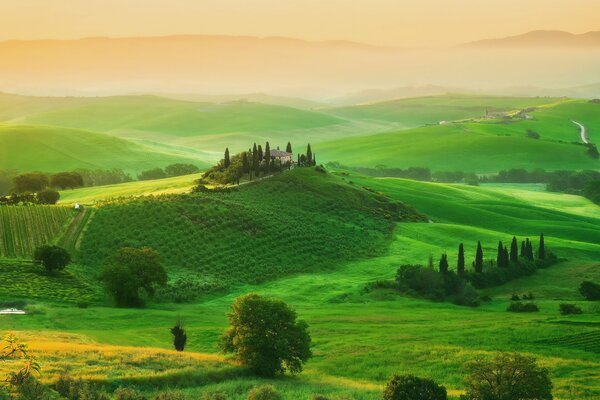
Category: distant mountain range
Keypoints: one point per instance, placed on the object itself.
(541, 39)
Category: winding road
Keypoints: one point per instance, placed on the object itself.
(584, 137)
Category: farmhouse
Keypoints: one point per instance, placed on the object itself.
(282, 156)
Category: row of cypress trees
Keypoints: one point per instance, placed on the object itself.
(504, 257)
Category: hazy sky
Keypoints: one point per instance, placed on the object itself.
(384, 22)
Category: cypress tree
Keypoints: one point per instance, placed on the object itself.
(430, 262)
(506, 257)
(260, 153)
(529, 250)
(479, 258)
(288, 148)
(298, 158)
(444, 263)
(460, 265)
(226, 160)
(267, 158)
(255, 164)
(314, 159)
(245, 163)
(514, 251)
(308, 155)
(542, 248)
(523, 250)
(500, 255)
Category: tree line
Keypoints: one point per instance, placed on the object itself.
(253, 164)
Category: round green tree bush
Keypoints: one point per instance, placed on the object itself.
(53, 258)
(409, 387)
(266, 336)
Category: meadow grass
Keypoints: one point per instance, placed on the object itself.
(360, 338)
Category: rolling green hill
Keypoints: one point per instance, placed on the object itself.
(330, 231)
(51, 149)
(466, 147)
(417, 111)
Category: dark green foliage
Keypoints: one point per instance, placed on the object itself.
(6, 180)
(170, 396)
(288, 148)
(592, 191)
(523, 252)
(518, 306)
(290, 216)
(267, 158)
(179, 336)
(128, 393)
(460, 264)
(245, 163)
(188, 289)
(479, 258)
(569, 309)
(155, 173)
(514, 251)
(266, 336)
(66, 180)
(501, 259)
(260, 154)
(53, 258)
(32, 389)
(542, 248)
(100, 177)
(532, 134)
(47, 196)
(181, 169)
(264, 392)
(226, 160)
(528, 249)
(507, 377)
(31, 182)
(590, 290)
(132, 271)
(592, 150)
(309, 157)
(78, 389)
(409, 387)
(443, 265)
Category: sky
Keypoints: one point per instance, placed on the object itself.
(404, 23)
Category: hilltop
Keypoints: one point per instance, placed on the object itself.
(541, 39)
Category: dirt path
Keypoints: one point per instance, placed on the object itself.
(584, 137)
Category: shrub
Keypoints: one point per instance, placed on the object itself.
(515, 297)
(32, 389)
(83, 304)
(518, 306)
(78, 389)
(48, 196)
(590, 290)
(409, 387)
(127, 393)
(179, 336)
(507, 377)
(265, 392)
(53, 258)
(266, 336)
(569, 309)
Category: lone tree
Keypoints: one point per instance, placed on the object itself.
(179, 336)
(308, 155)
(132, 272)
(48, 196)
(479, 258)
(409, 387)
(53, 258)
(460, 265)
(542, 248)
(266, 336)
(443, 263)
(507, 377)
(288, 148)
(226, 159)
(514, 250)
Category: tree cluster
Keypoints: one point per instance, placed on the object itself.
(46, 196)
(53, 258)
(168, 172)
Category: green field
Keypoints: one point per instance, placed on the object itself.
(359, 338)
(50, 149)
(23, 228)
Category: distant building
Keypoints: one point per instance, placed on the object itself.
(282, 156)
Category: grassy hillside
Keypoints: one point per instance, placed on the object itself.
(417, 111)
(51, 149)
(360, 338)
(90, 195)
(254, 233)
(23, 228)
(450, 147)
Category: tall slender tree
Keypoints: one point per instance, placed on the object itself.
(443, 263)
(529, 249)
(506, 257)
(500, 255)
(542, 248)
(260, 153)
(523, 249)
(514, 251)
(308, 155)
(245, 163)
(460, 265)
(226, 160)
(267, 158)
(288, 148)
(479, 258)
(255, 163)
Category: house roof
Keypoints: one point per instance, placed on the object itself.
(279, 153)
